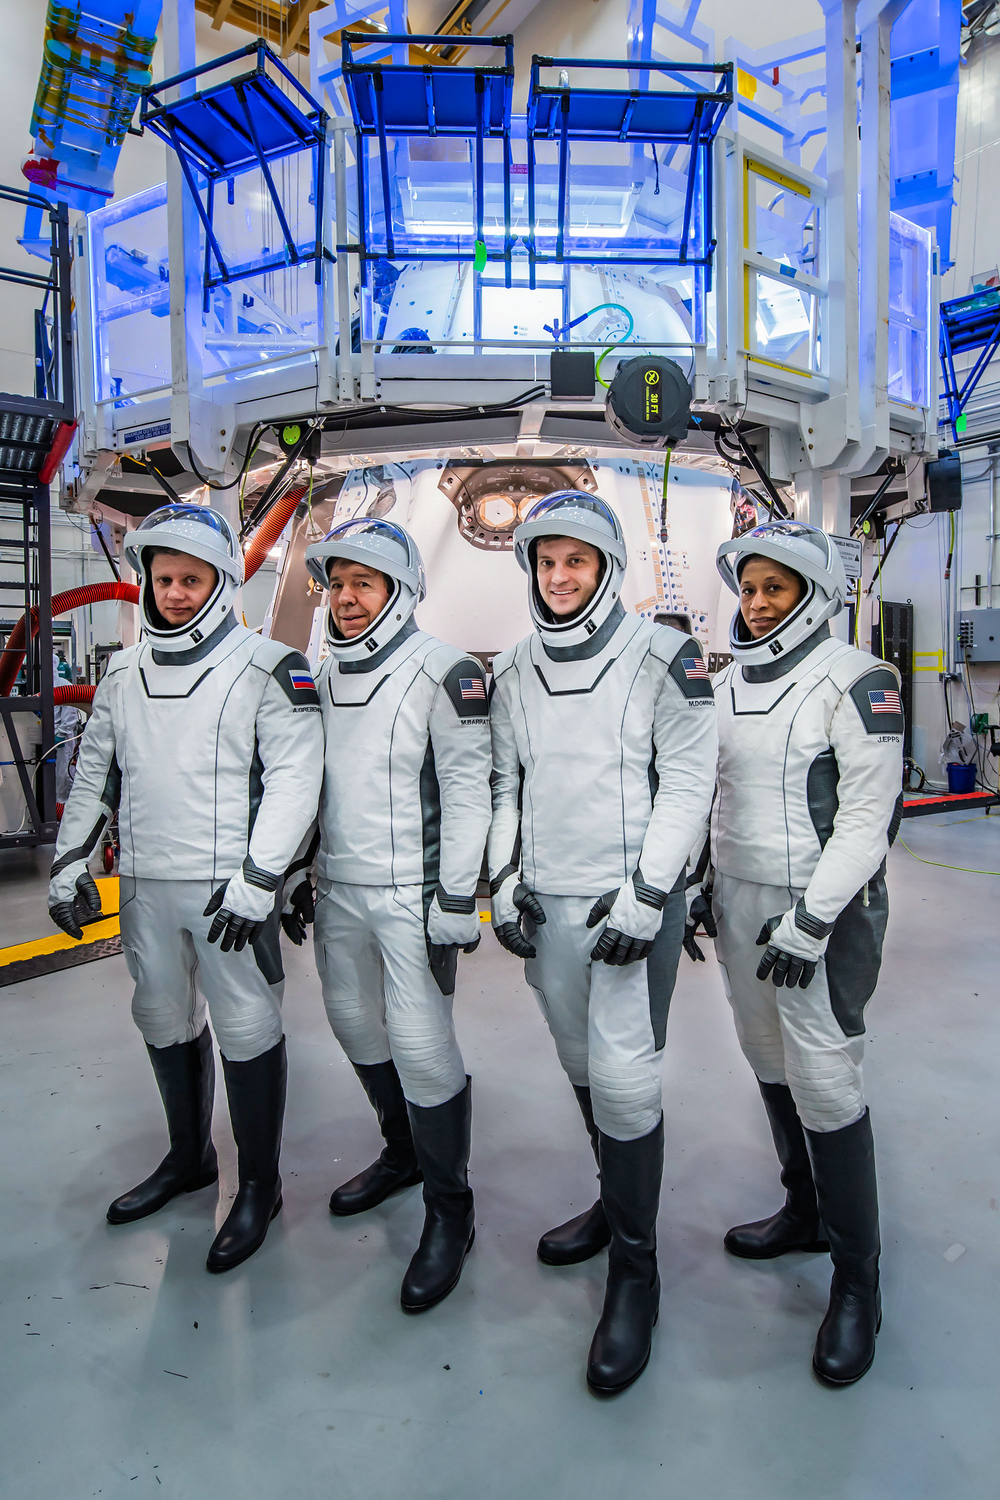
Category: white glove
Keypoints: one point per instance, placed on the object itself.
(240, 910)
(795, 943)
(73, 895)
(634, 914)
(447, 928)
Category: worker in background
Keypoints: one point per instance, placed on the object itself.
(209, 741)
(403, 821)
(604, 746)
(676, 621)
(66, 720)
(808, 802)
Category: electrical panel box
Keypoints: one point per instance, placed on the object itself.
(892, 640)
(984, 626)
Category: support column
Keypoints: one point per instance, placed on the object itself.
(809, 497)
(837, 504)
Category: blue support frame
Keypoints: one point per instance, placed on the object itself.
(689, 117)
(236, 126)
(967, 323)
(424, 101)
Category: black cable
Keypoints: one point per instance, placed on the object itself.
(774, 501)
(167, 489)
(210, 484)
(104, 548)
(872, 505)
(531, 394)
(882, 560)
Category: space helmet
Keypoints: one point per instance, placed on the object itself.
(808, 552)
(386, 547)
(202, 533)
(576, 514)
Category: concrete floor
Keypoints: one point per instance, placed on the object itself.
(125, 1370)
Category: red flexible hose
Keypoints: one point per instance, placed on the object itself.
(80, 692)
(91, 593)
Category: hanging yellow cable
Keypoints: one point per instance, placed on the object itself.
(940, 865)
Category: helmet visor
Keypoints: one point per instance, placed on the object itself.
(549, 509)
(368, 526)
(200, 515)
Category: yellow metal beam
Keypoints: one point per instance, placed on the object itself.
(298, 22)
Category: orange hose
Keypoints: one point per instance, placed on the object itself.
(271, 528)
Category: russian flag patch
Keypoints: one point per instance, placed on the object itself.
(302, 682)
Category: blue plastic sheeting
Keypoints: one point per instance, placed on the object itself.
(95, 56)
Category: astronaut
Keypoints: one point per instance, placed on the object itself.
(404, 815)
(808, 802)
(604, 747)
(209, 741)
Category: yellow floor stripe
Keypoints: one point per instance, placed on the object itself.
(59, 940)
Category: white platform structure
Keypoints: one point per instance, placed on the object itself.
(801, 308)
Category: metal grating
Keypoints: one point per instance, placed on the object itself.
(24, 442)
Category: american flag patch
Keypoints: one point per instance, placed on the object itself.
(472, 687)
(694, 667)
(302, 681)
(885, 701)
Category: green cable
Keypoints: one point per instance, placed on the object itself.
(613, 307)
(965, 869)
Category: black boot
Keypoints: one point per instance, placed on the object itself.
(256, 1092)
(584, 1236)
(630, 1188)
(441, 1135)
(843, 1163)
(397, 1166)
(185, 1076)
(796, 1226)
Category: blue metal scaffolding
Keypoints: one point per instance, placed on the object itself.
(674, 119)
(967, 323)
(427, 101)
(234, 127)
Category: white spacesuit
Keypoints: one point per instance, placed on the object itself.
(208, 740)
(604, 746)
(404, 815)
(808, 801)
